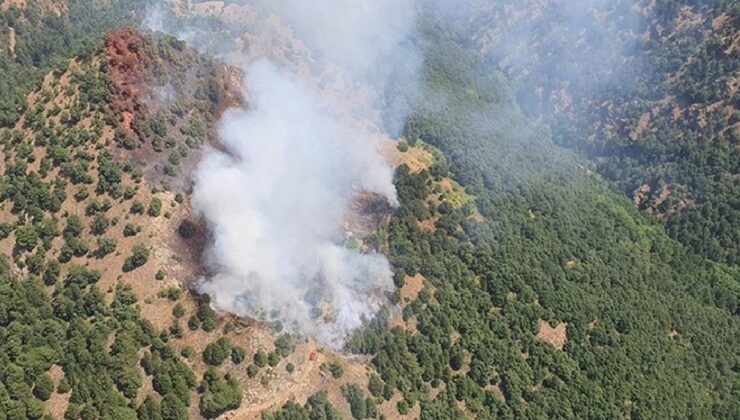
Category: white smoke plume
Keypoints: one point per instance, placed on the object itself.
(275, 203)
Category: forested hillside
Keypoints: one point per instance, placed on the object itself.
(563, 301)
(100, 132)
(37, 33)
(647, 89)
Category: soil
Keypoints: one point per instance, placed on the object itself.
(555, 336)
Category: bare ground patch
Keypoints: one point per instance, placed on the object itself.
(555, 336)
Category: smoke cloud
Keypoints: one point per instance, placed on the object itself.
(276, 206)
(276, 202)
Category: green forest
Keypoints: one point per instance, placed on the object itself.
(671, 69)
(558, 244)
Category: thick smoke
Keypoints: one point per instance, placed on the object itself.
(276, 202)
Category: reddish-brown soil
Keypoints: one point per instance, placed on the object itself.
(127, 60)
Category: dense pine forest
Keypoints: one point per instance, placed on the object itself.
(557, 245)
(549, 262)
(646, 90)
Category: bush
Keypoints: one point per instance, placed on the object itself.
(403, 146)
(172, 293)
(336, 370)
(402, 407)
(137, 207)
(193, 323)
(99, 224)
(260, 359)
(139, 257)
(273, 359)
(252, 370)
(357, 403)
(131, 230)
(178, 311)
(106, 246)
(26, 237)
(176, 330)
(187, 229)
(64, 386)
(43, 387)
(155, 207)
(215, 353)
(237, 355)
(51, 274)
(284, 345)
(219, 395)
(73, 228)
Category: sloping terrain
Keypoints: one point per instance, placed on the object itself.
(640, 313)
(96, 220)
(525, 285)
(90, 220)
(646, 89)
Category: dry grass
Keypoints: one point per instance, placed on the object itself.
(57, 404)
(12, 41)
(412, 286)
(55, 6)
(642, 125)
(428, 225)
(555, 336)
(416, 158)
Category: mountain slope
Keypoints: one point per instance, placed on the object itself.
(526, 286)
(646, 89)
(564, 301)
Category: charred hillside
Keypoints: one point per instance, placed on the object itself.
(167, 99)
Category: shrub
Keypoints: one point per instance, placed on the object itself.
(178, 311)
(219, 395)
(273, 359)
(173, 293)
(284, 345)
(260, 359)
(403, 146)
(187, 229)
(237, 355)
(139, 257)
(99, 224)
(43, 387)
(193, 323)
(137, 207)
(131, 230)
(215, 353)
(26, 237)
(336, 370)
(155, 207)
(106, 246)
(252, 370)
